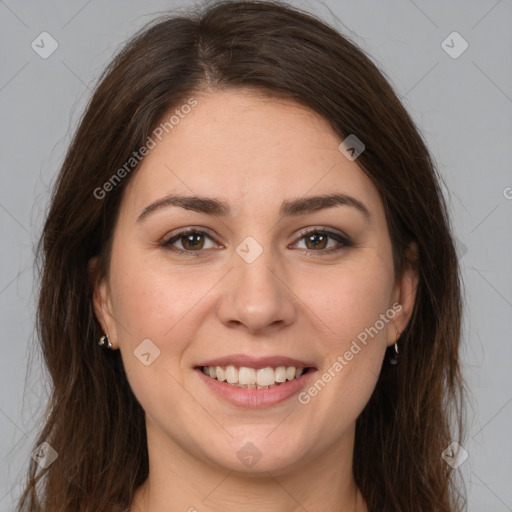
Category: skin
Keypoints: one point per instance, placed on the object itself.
(251, 152)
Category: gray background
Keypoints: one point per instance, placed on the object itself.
(462, 105)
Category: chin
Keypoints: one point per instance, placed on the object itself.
(257, 452)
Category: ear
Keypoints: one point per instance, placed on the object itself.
(404, 293)
(102, 303)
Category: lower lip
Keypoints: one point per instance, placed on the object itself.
(254, 398)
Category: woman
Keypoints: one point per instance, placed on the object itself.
(250, 226)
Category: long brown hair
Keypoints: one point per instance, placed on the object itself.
(93, 420)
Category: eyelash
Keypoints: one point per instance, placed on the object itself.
(342, 239)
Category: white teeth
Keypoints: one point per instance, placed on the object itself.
(265, 377)
(281, 374)
(221, 375)
(247, 375)
(251, 378)
(231, 374)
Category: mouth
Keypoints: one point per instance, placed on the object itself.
(254, 378)
(255, 382)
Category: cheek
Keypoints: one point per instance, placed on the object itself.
(350, 304)
(153, 302)
(353, 337)
(350, 297)
(163, 302)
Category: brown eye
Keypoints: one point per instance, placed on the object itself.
(317, 240)
(191, 241)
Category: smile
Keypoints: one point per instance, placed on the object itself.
(253, 378)
(244, 390)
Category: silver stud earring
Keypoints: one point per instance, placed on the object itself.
(105, 341)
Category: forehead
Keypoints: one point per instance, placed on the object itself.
(247, 149)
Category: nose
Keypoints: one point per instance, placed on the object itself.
(256, 296)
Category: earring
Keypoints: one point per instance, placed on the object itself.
(105, 341)
(393, 360)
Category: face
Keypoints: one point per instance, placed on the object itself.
(260, 278)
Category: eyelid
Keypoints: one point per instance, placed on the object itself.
(187, 230)
(324, 229)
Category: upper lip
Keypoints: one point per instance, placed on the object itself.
(256, 362)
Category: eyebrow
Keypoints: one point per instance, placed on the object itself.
(295, 207)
